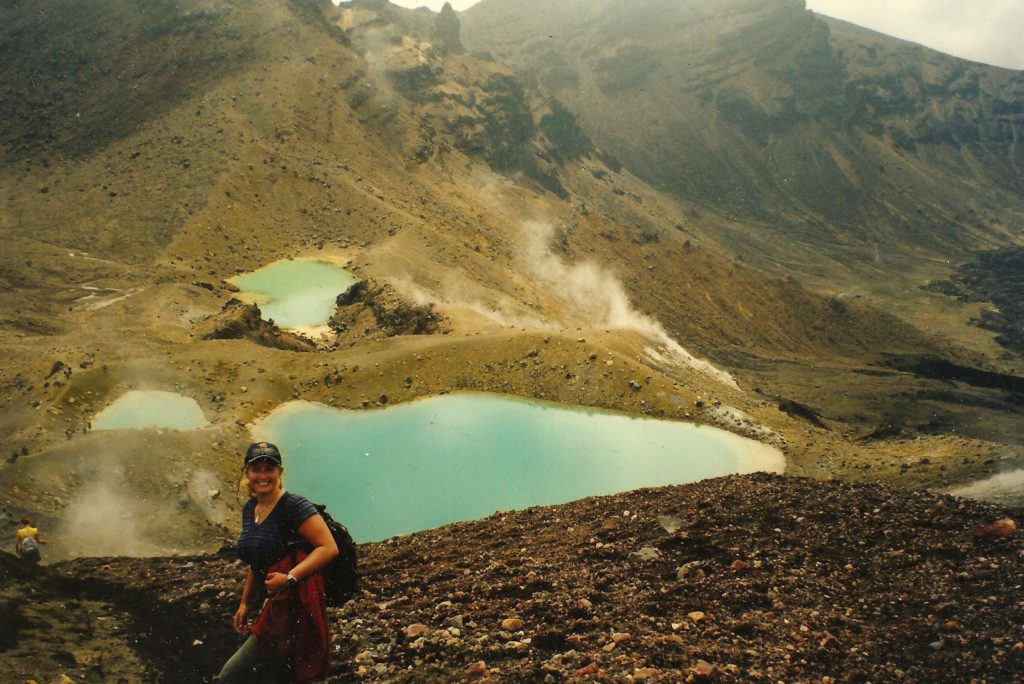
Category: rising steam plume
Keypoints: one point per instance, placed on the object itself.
(595, 295)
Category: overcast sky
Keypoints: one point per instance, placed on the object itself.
(983, 30)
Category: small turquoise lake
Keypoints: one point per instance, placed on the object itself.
(463, 456)
(295, 294)
(140, 409)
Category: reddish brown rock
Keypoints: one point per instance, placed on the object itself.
(1000, 529)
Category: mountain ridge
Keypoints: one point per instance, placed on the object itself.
(738, 125)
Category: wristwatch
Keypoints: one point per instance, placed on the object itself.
(292, 581)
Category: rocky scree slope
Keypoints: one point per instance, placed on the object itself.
(743, 578)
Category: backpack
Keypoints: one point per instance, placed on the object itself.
(341, 575)
(30, 548)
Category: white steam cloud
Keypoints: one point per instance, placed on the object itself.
(1005, 488)
(597, 295)
(103, 521)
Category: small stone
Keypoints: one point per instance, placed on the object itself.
(647, 553)
(1000, 529)
(691, 568)
(415, 630)
(738, 565)
(213, 493)
(88, 658)
(587, 670)
(705, 671)
(949, 626)
(365, 657)
(696, 615)
(642, 674)
(619, 637)
(61, 679)
(511, 624)
(585, 604)
(476, 671)
(670, 523)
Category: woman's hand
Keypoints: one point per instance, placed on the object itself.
(239, 621)
(276, 583)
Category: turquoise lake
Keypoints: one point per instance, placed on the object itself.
(463, 456)
(295, 294)
(138, 409)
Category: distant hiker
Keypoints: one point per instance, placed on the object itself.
(27, 541)
(289, 639)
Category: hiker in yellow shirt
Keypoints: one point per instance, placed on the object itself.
(27, 541)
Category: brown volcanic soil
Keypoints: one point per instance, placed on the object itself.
(786, 579)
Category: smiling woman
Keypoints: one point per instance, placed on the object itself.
(289, 637)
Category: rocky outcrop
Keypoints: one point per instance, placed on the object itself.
(995, 276)
(368, 308)
(446, 31)
(238, 320)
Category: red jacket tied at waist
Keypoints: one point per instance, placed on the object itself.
(293, 624)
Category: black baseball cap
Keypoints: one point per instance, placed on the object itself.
(262, 450)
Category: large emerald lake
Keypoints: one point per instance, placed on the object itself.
(462, 456)
(295, 294)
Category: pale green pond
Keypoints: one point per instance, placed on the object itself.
(295, 294)
(137, 409)
(456, 457)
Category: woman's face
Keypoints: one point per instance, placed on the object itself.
(263, 476)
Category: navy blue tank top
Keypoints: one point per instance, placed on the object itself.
(262, 545)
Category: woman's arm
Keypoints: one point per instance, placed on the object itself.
(315, 531)
(238, 620)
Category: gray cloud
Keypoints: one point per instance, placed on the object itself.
(981, 31)
(985, 31)
(436, 5)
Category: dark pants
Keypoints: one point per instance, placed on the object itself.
(249, 665)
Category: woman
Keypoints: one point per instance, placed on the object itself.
(27, 541)
(289, 637)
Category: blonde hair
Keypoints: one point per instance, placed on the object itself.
(246, 487)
